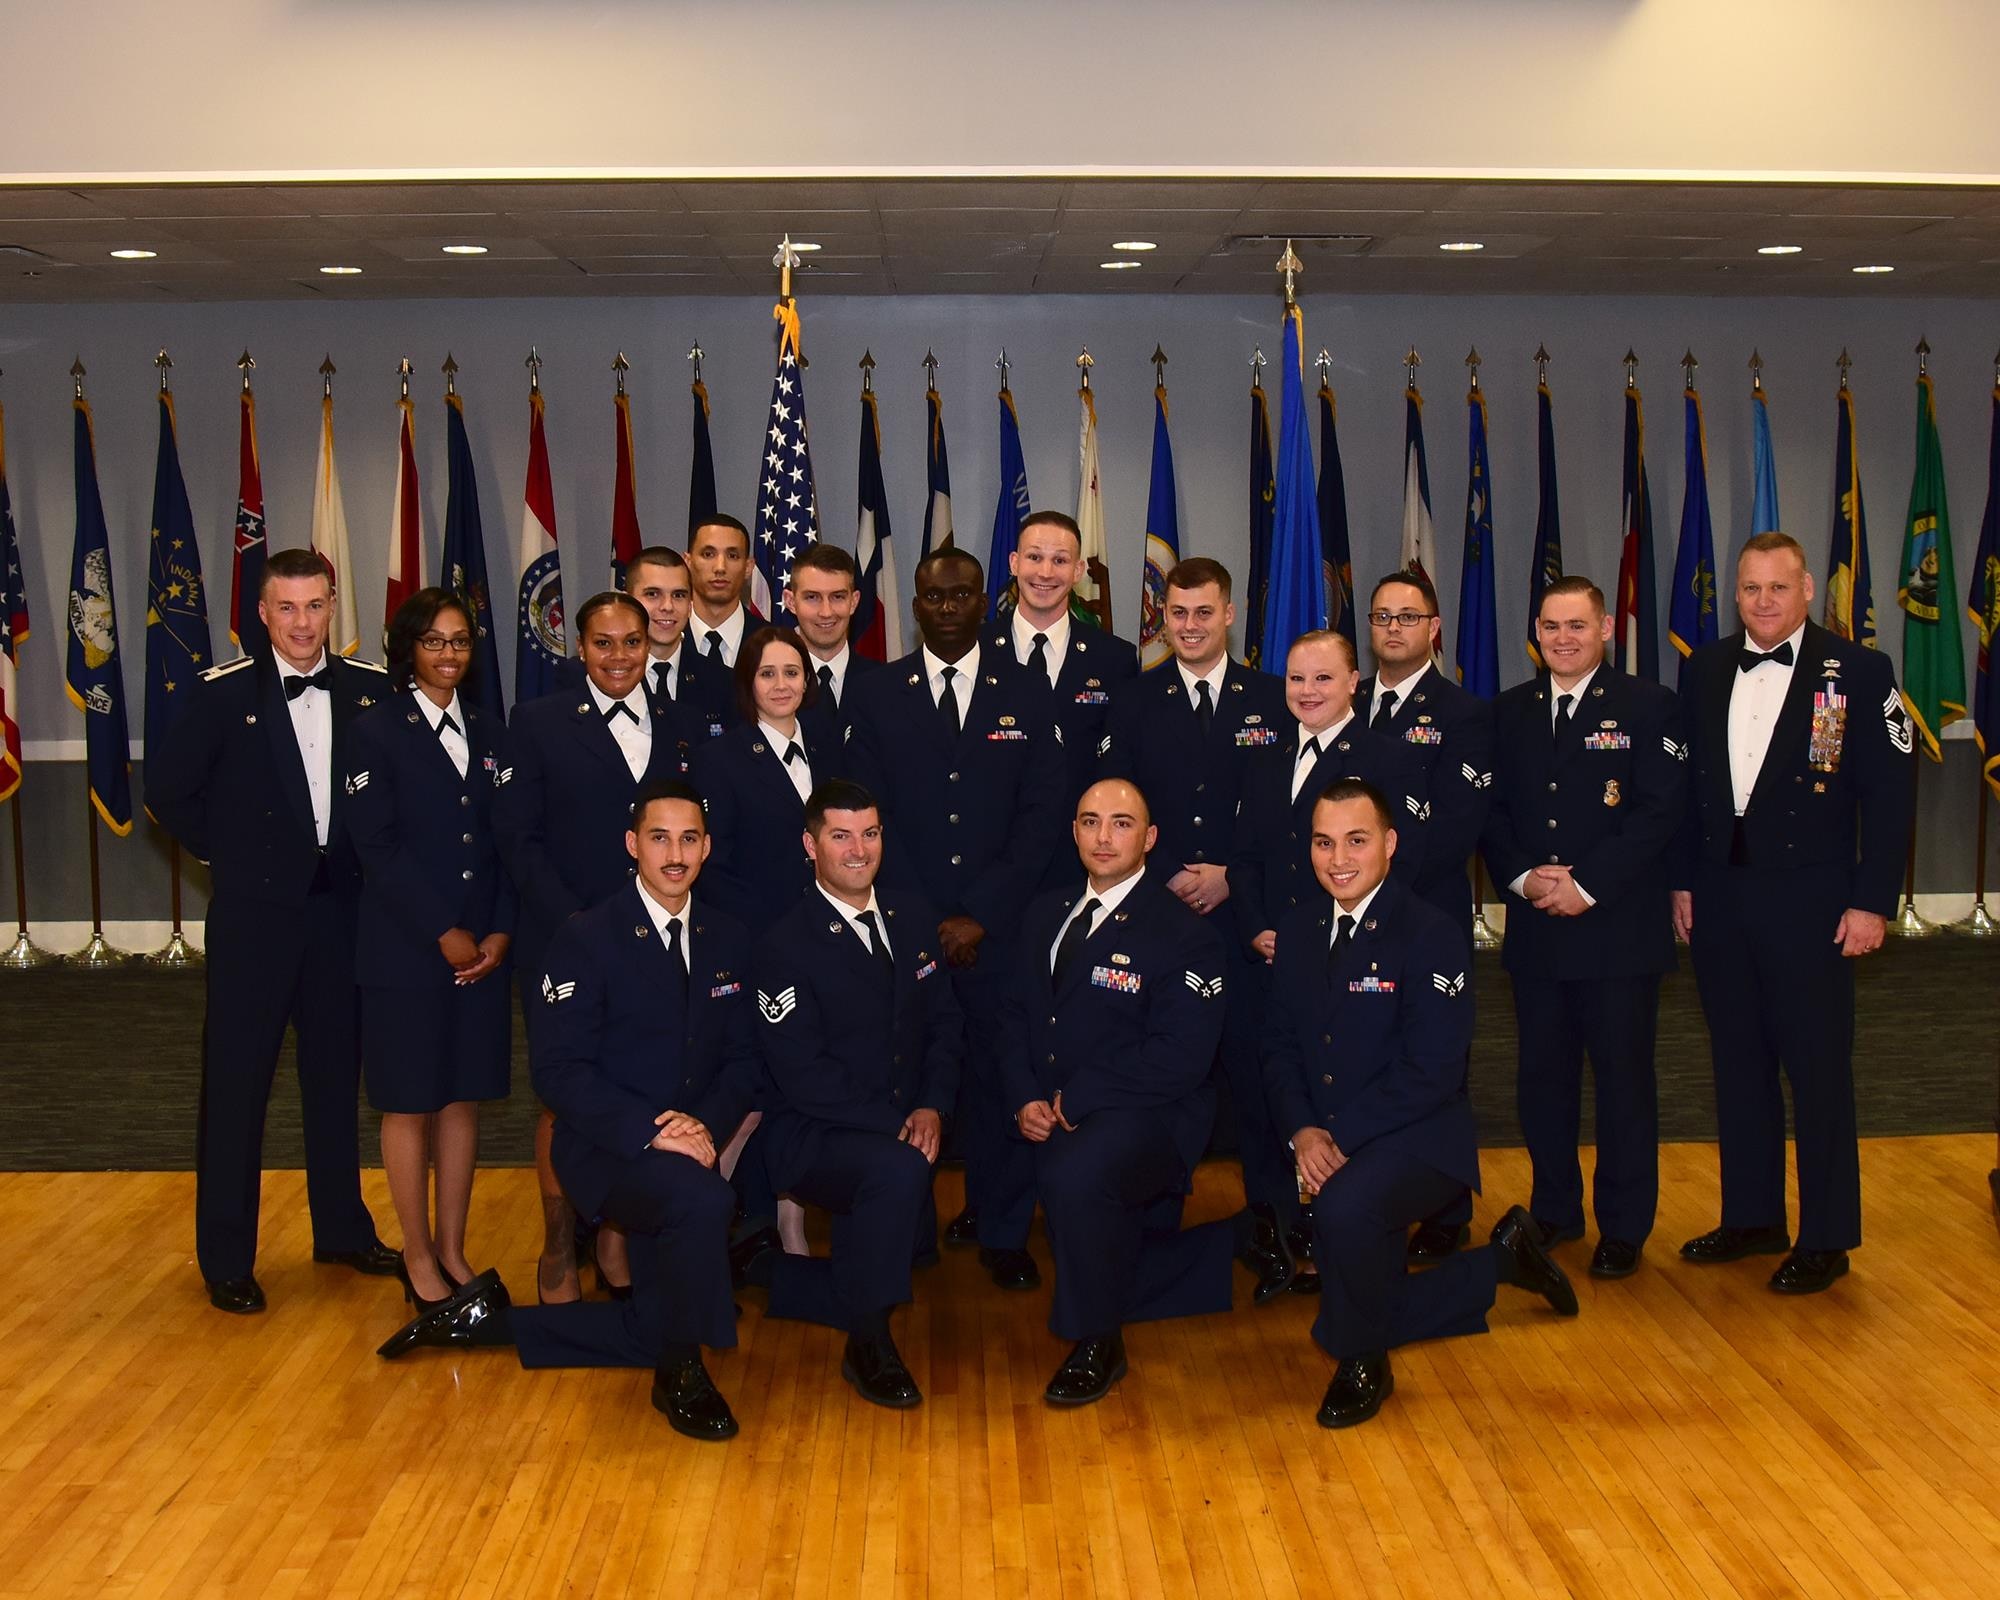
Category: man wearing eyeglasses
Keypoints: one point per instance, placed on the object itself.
(1451, 730)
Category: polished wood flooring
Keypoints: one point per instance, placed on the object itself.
(1689, 1434)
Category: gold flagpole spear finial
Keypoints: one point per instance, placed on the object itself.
(1756, 371)
(450, 370)
(1472, 362)
(246, 365)
(1323, 363)
(1084, 363)
(1411, 362)
(695, 355)
(1291, 266)
(786, 259)
(930, 365)
(1257, 365)
(403, 372)
(1159, 360)
(163, 361)
(1843, 361)
(76, 372)
(1631, 368)
(867, 366)
(326, 372)
(534, 366)
(1690, 366)
(619, 367)
(1003, 364)
(1923, 357)
(1542, 359)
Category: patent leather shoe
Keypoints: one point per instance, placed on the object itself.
(1011, 1269)
(1299, 1240)
(1526, 1265)
(1360, 1385)
(875, 1368)
(962, 1231)
(1088, 1372)
(749, 1249)
(1809, 1271)
(1614, 1258)
(375, 1260)
(1733, 1244)
(241, 1296)
(1433, 1241)
(687, 1397)
(474, 1316)
(1267, 1257)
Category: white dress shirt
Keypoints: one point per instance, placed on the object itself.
(836, 664)
(312, 726)
(634, 734)
(452, 738)
(1359, 912)
(1308, 759)
(1057, 633)
(853, 918)
(663, 673)
(964, 670)
(1402, 691)
(1213, 678)
(1755, 699)
(799, 771)
(730, 630)
(1575, 691)
(1108, 901)
(663, 919)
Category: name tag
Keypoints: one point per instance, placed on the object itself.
(723, 990)
(1116, 979)
(1423, 735)
(1607, 741)
(1092, 697)
(926, 970)
(1008, 733)
(1372, 985)
(1250, 736)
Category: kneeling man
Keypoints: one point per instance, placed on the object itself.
(1364, 1055)
(1109, 1031)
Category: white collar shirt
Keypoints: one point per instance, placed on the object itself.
(312, 726)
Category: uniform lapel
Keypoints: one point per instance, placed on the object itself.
(1789, 732)
(286, 760)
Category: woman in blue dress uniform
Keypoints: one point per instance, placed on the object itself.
(436, 919)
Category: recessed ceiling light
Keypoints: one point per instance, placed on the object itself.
(341, 272)
(1120, 266)
(1779, 249)
(1874, 269)
(135, 255)
(465, 249)
(804, 248)
(1135, 244)
(1462, 245)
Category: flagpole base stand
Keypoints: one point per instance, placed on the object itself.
(176, 955)
(24, 955)
(1908, 924)
(1979, 924)
(98, 955)
(1483, 936)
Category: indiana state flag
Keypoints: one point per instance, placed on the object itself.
(92, 680)
(177, 639)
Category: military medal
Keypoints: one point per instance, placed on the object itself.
(1611, 794)
(1829, 730)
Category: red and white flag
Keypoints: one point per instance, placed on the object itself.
(406, 523)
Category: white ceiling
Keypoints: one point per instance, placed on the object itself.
(997, 236)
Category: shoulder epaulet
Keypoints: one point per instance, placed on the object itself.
(370, 666)
(227, 667)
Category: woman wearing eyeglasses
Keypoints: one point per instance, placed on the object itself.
(436, 920)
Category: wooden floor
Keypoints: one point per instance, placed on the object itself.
(1689, 1434)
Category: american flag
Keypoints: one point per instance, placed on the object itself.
(787, 507)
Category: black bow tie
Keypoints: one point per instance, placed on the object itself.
(322, 679)
(617, 708)
(1754, 658)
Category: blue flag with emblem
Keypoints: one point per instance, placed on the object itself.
(1982, 602)
(464, 560)
(92, 676)
(1691, 619)
(1547, 564)
(1163, 540)
(1263, 502)
(1763, 467)
(1334, 551)
(787, 501)
(1296, 599)
(1478, 647)
(1010, 506)
(178, 648)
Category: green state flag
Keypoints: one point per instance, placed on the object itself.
(1927, 590)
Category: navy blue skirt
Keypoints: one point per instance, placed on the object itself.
(423, 1049)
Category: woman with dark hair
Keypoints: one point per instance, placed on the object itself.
(436, 920)
(754, 781)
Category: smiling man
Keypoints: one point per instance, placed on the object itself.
(824, 594)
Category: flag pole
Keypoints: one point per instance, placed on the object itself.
(23, 955)
(1909, 923)
(176, 954)
(1979, 923)
(1483, 936)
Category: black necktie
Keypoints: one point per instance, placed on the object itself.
(1343, 931)
(661, 676)
(1750, 658)
(443, 723)
(323, 679)
(878, 942)
(793, 753)
(1072, 940)
(948, 701)
(1038, 658)
(1565, 704)
(1204, 707)
(1385, 708)
(618, 706)
(826, 684)
(677, 956)
(711, 649)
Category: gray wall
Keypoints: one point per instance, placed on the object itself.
(1208, 339)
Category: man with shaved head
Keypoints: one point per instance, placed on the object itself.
(1108, 1031)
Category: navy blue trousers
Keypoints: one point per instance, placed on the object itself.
(270, 967)
(1613, 1019)
(1269, 1176)
(875, 1188)
(1779, 995)
(1369, 1299)
(676, 1213)
(1101, 1189)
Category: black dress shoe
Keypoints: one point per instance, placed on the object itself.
(1614, 1258)
(1548, 1235)
(1267, 1258)
(1305, 1283)
(686, 1396)
(1088, 1372)
(963, 1230)
(877, 1372)
(243, 1296)
(410, 1295)
(1526, 1265)
(1809, 1271)
(1733, 1244)
(1360, 1385)
(745, 1252)
(376, 1260)
(1299, 1240)
(1433, 1241)
(474, 1316)
(1011, 1269)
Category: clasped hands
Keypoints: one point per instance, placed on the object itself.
(1553, 890)
(472, 959)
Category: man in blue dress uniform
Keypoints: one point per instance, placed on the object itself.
(718, 559)
(824, 595)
